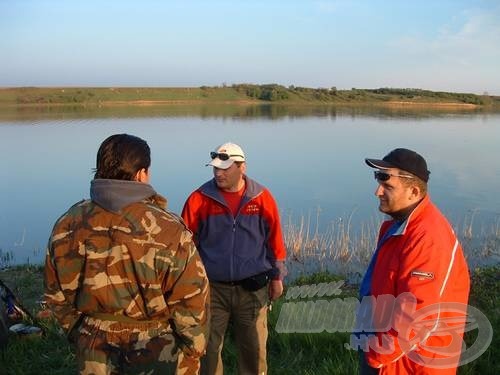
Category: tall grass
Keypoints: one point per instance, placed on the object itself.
(345, 249)
(341, 251)
(6, 258)
(293, 353)
(337, 249)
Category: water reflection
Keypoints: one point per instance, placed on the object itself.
(224, 111)
(311, 158)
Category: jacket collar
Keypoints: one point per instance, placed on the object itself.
(414, 214)
(252, 189)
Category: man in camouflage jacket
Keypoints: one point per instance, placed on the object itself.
(124, 279)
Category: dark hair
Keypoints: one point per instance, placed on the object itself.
(121, 156)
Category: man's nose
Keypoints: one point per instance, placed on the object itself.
(379, 191)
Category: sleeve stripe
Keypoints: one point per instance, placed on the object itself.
(454, 251)
(449, 267)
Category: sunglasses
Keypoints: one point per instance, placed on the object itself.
(384, 176)
(222, 155)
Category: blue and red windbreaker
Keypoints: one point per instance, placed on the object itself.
(425, 260)
(236, 247)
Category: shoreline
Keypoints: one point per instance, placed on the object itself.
(239, 94)
(186, 102)
(435, 104)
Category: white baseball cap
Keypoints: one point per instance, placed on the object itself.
(225, 155)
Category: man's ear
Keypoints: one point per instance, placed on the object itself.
(415, 192)
(142, 175)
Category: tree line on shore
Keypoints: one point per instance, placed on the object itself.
(267, 93)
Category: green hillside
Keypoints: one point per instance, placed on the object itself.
(238, 93)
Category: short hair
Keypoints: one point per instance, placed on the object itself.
(408, 182)
(121, 156)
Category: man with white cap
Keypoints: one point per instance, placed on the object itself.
(237, 230)
(419, 263)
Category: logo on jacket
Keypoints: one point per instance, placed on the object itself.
(252, 209)
(422, 275)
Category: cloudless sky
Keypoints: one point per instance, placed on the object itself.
(448, 45)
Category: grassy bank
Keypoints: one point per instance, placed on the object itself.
(293, 353)
(238, 93)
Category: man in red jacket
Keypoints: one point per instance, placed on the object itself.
(420, 266)
(237, 230)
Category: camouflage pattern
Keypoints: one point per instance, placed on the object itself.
(139, 266)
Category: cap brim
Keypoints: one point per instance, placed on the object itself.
(377, 163)
(221, 164)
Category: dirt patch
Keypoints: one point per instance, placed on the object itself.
(428, 104)
(174, 102)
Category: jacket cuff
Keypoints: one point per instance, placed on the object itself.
(280, 270)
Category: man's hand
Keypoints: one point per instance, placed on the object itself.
(275, 289)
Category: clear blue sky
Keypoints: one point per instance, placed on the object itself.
(449, 45)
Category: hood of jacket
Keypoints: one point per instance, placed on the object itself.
(114, 195)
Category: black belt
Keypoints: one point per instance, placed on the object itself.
(232, 283)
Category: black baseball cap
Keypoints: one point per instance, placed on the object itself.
(404, 159)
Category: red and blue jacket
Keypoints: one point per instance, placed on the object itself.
(422, 259)
(236, 247)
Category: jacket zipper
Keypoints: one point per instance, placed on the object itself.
(234, 218)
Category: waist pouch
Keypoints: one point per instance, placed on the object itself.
(256, 282)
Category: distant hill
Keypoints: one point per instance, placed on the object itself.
(238, 93)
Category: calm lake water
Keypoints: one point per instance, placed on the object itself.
(311, 158)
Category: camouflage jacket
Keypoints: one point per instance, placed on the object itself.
(122, 253)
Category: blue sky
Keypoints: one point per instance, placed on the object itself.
(449, 45)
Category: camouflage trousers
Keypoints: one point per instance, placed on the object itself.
(111, 347)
